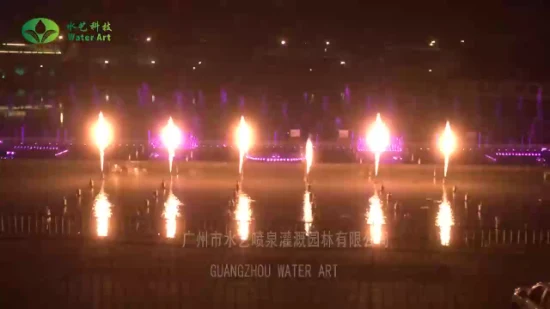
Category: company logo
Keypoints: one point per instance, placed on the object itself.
(95, 31)
(40, 30)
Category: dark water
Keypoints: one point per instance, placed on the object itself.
(516, 196)
(415, 271)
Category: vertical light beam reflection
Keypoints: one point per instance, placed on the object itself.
(170, 214)
(308, 212)
(102, 213)
(445, 220)
(375, 219)
(243, 215)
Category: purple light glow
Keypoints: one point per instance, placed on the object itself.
(188, 142)
(61, 152)
(518, 154)
(36, 147)
(395, 146)
(491, 158)
(275, 158)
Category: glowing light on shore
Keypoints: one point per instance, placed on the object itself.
(102, 213)
(378, 140)
(171, 138)
(243, 216)
(244, 141)
(103, 136)
(447, 145)
(171, 213)
(375, 219)
(445, 220)
(309, 155)
(308, 212)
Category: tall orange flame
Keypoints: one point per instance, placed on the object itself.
(171, 138)
(378, 140)
(244, 141)
(103, 136)
(447, 145)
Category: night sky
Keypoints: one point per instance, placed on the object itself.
(503, 38)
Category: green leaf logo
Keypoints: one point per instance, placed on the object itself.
(40, 30)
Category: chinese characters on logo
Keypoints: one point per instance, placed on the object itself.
(89, 32)
(278, 240)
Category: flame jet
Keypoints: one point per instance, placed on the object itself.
(447, 145)
(378, 139)
(171, 138)
(244, 141)
(103, 136)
